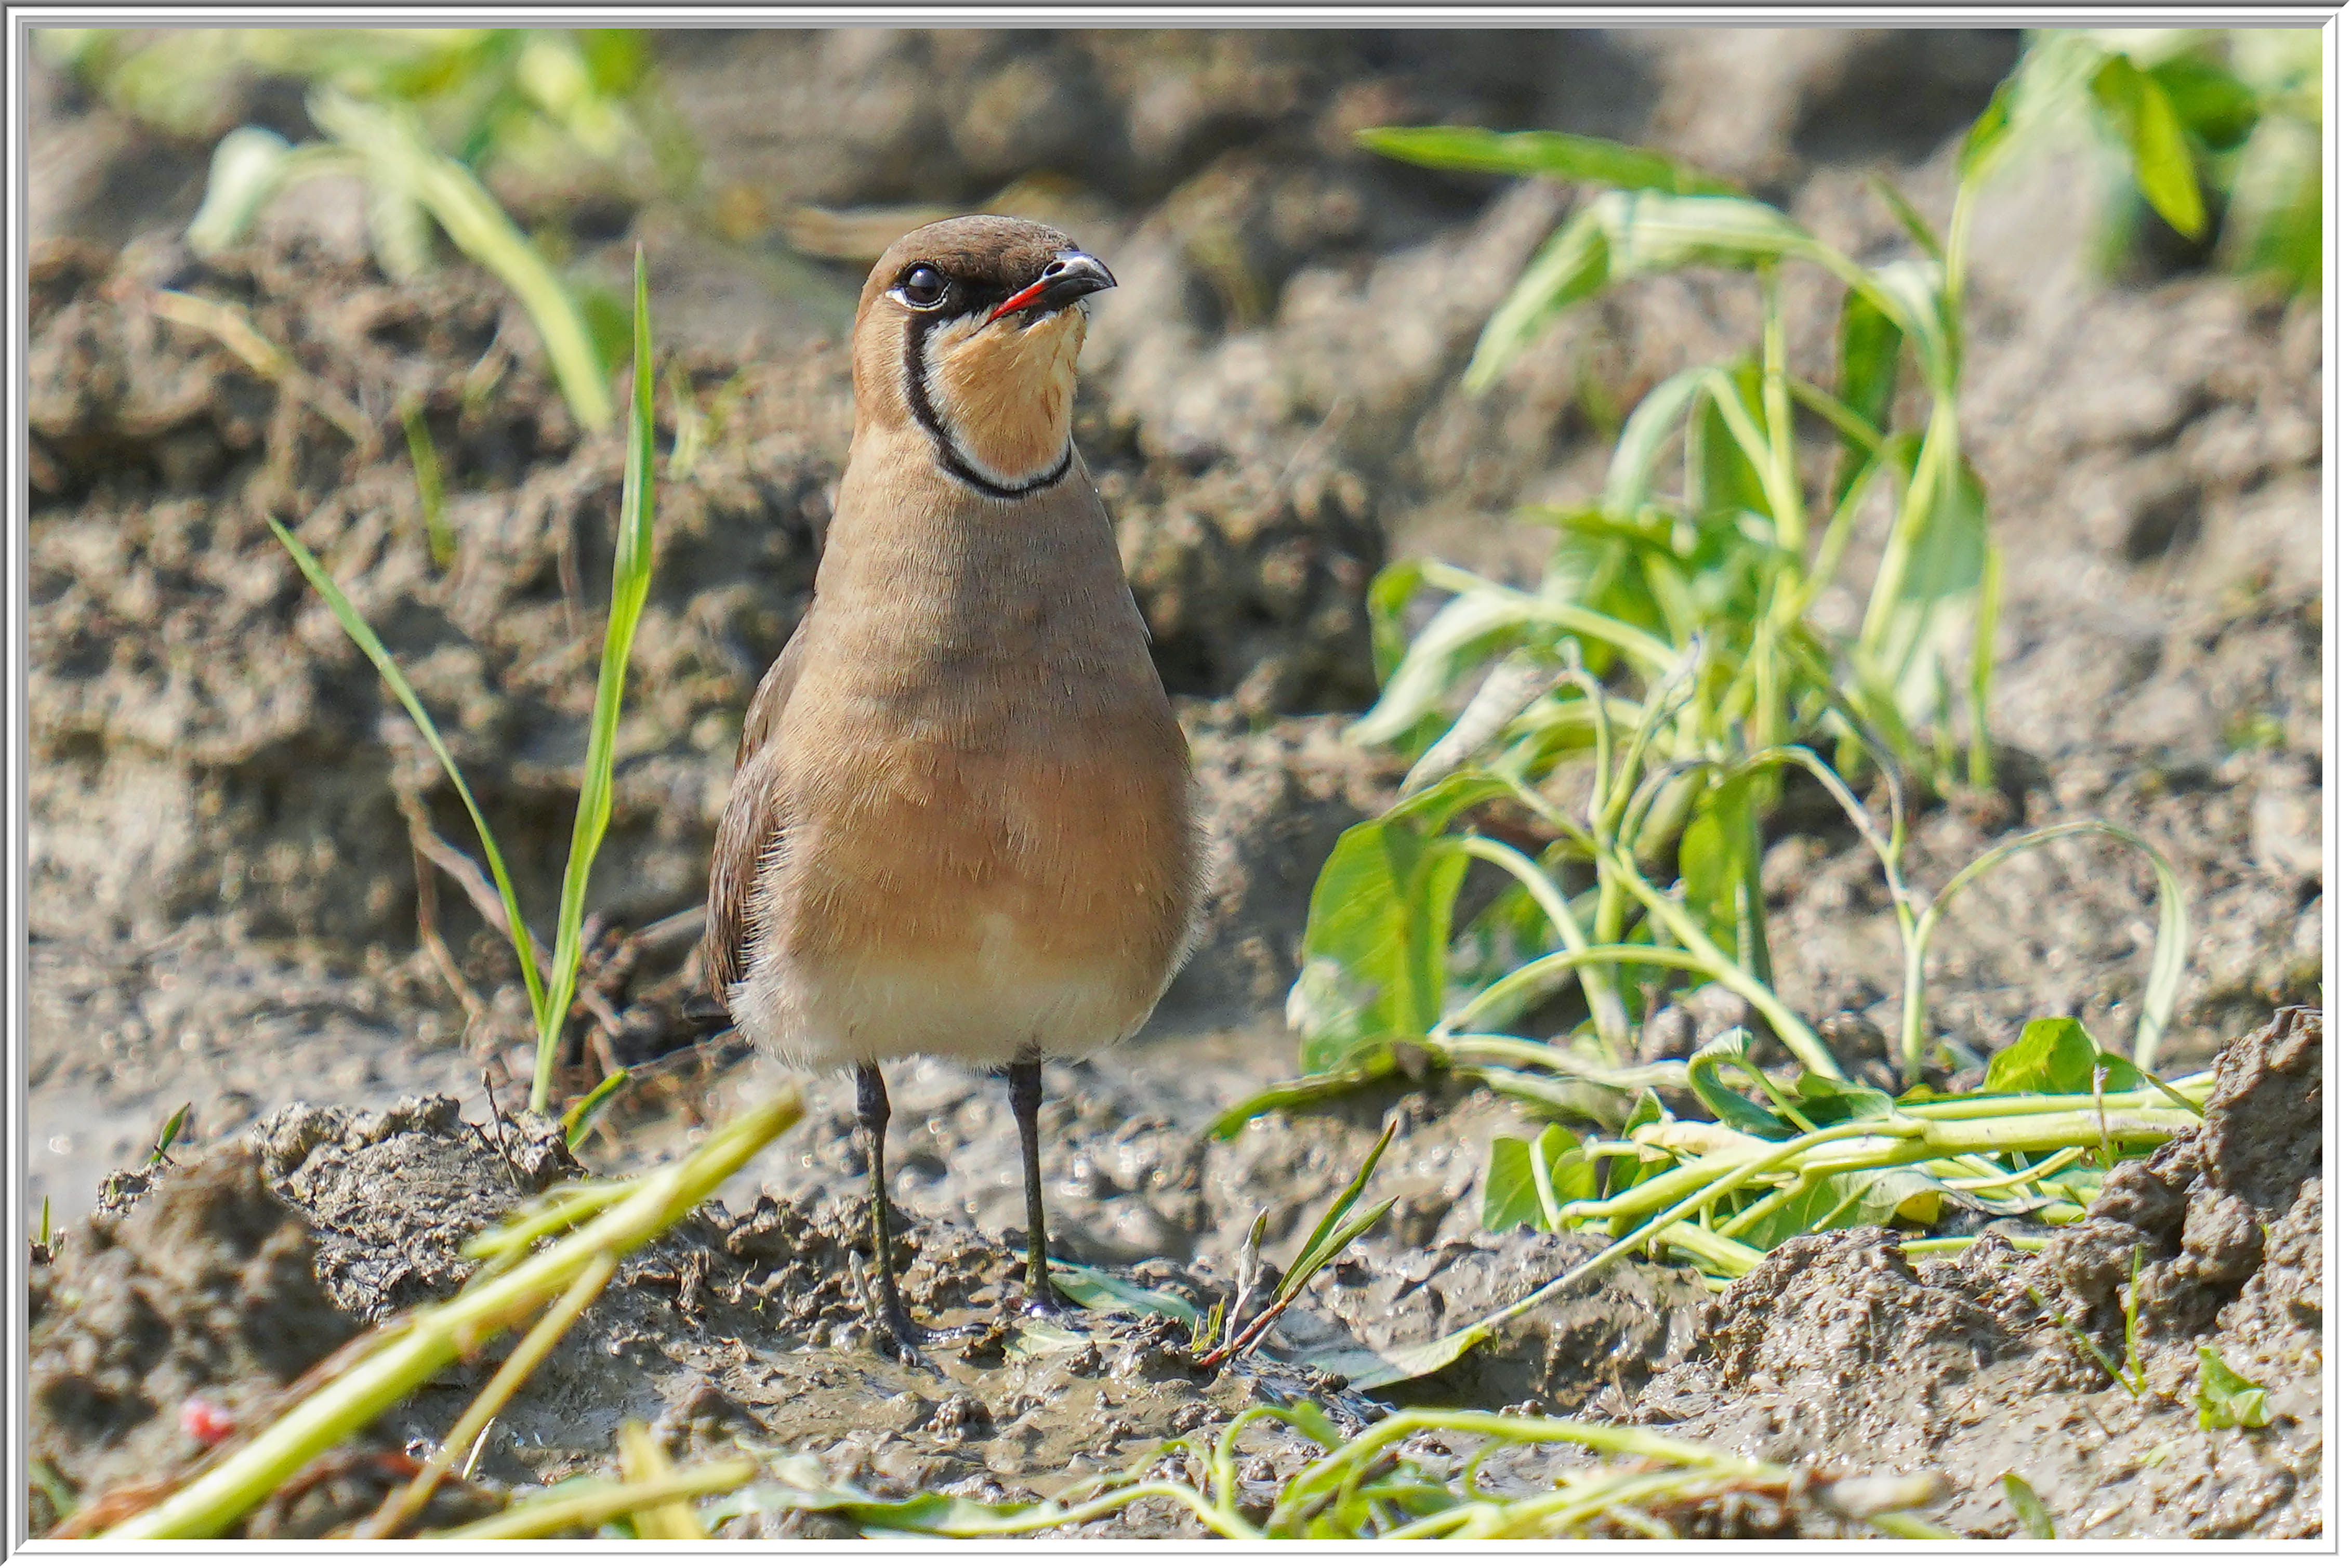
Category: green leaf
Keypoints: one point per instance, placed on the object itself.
(248, 168)
(1372, 1067)
(1728, 1106)
(1911, 293)
(1653, 422)
(1720, 854)
(2051, 1056)
(1931, 605)
(1101, 1291)
(632, 572)
(1825, 1100)
(1724, 460)
(1551, 153)
(1571, 266)
(2212, 104)
(1869, 365)
(1450, 796)
(2225, 1399)
(401, 160)
(1908, 218)
(2032, 1514)
(1320, 1247)
(580, 1119)
(1389, 599)
(430, 494)
(169, 1135)
(1377, 930)
(1844, 1199)
(1512, 1198)
(1627, 1171)
(1366, 1368)
(1989, 135)
(1470, 629)
(2141, 113)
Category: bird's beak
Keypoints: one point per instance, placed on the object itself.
(1068, 277)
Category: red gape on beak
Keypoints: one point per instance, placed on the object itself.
(1069, 276)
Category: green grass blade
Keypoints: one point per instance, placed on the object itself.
(2164, 968)
(1306, 1261)
(632, 569)
(430, 492)
(1557, 155)
(1103, 1291)
(1572, 265)
(2141, 113)
(355, 627)
(581, 1120)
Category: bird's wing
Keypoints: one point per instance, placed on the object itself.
(774, 691)
(754, 816)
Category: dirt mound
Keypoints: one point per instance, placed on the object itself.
(1838, 1350)
(186, 1301)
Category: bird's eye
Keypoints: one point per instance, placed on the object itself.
(924, 288)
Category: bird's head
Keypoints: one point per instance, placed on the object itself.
(967, 335)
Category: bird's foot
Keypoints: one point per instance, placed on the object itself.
(900, 1337)
(886, 1315)
(1047, 1304)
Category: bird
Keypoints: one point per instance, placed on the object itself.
(962, 821)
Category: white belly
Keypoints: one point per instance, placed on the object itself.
(986, 1004)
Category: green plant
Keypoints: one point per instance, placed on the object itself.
(1666, 670)
(2223, 1398)
(160, 1151)
(411, 180)
(2131, 1375)
(632, 564)
(1369, 1487)
(429, 118)
(1326, 1241)
(1726, 551)
(2033, 1519)
(1819, 1154)
(2185, 119)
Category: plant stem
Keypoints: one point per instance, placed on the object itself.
(438, 1336)
(587, 1510)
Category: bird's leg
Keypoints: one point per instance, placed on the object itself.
(873, 1115)
(1025, 1081)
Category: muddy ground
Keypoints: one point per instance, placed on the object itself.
(224, 898)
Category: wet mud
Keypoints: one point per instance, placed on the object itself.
(206, 1289)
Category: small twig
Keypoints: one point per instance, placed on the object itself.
(428, 931)
(498, 1118)
(463, 872)
(669, 928)
(473, 1454)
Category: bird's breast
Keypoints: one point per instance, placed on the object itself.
(973, 875)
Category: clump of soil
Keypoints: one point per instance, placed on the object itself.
(204, 1290)
(1838, 1350)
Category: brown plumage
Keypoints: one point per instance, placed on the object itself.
(961, 821)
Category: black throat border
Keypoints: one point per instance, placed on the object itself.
(918, 399)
